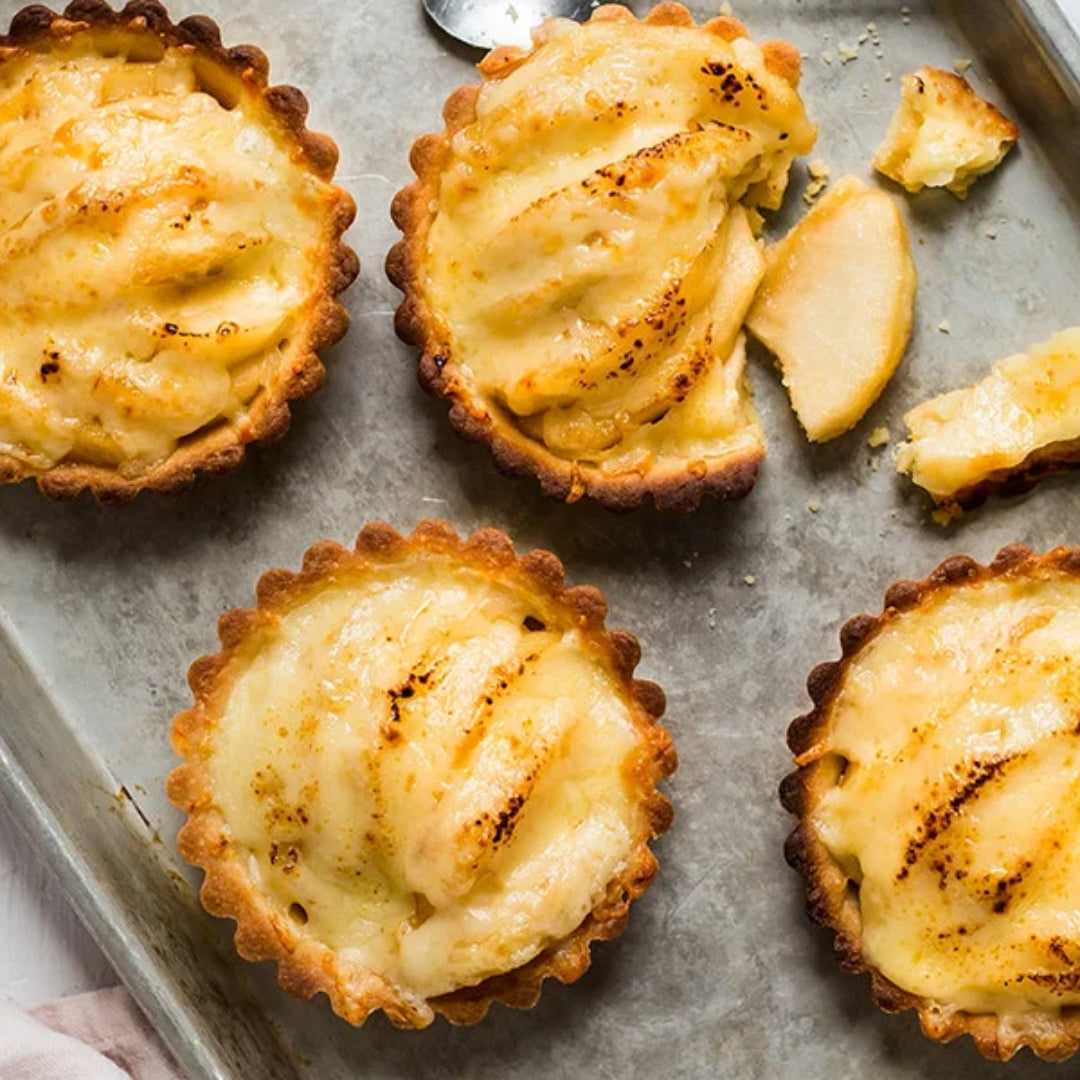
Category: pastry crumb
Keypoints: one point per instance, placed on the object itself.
(991, 234)
(943, 517)
(879, 437)
(813, 507)
(827, 57)
(819, 174)
(725, 9)
(750, 579)
(711, 616)
(847, 53)
(688, 564)
(945, 326)
(962, 66)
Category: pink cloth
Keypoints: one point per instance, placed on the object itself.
(96, 1036)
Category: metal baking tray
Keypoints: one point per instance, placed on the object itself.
(719, 974)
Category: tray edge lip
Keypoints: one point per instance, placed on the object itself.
(1059, 41)
(103, 920)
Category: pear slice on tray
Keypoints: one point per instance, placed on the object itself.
(836, 306)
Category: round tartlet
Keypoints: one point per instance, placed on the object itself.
(170, 250)
(421, 776)
(579, 252)
(938, 801)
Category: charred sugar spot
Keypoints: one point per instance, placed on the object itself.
(506, 820)
(532, 623)
(50, 367)
(440, 361)
(938, 819)
(284, 856)
(1056, 946)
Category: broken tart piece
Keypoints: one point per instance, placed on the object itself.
(1021, 423)
(421, 776)
(943, 134)
(579, 252)
(836, 306)
(937, 800)
(170, 250)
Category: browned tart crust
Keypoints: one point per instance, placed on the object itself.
(617, 374)
(98, 392)
(937, 775)
(324, 863)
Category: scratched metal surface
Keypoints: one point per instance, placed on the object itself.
(719, 973)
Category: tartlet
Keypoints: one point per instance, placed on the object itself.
(943, 134)
(421, 776)
(1004, 434)
(170, 250)
(579, 252)
(937, 801)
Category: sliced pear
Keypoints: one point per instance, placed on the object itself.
(601, 418)
(836, 306)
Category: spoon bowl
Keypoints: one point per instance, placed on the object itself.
(487, 23)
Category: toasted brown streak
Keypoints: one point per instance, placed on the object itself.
(324, 320)
(306, 967)
(678, 488)
(831, 899)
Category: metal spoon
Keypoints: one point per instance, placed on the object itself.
(487, 23)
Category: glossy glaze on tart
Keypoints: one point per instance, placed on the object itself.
(420, 775)
(170, 250)
(579, 252)
(938, 801)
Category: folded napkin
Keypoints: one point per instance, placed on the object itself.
(96, 1036)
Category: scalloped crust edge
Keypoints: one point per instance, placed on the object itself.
(221, 449)
(680, 488)
(306, 967)
(829, 900)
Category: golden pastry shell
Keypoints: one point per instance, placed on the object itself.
(246, 69)
(678, 488)
(829, 901)
(305, 966)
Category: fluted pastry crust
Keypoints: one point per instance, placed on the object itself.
(566, 627)
(990, 842)
(563, 351)
(190, 276)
